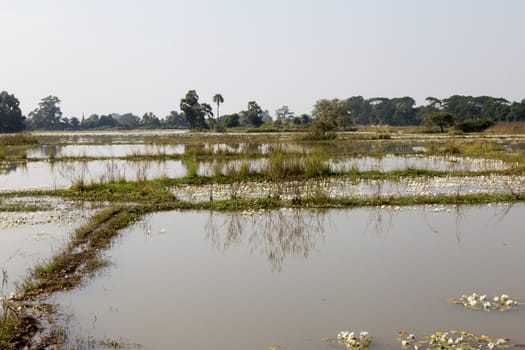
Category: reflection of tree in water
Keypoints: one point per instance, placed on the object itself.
(6, 166)
(380, 220)
(276, 234)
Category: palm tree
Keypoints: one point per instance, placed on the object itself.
(218, 100)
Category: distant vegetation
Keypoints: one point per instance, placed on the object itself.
(466, 113)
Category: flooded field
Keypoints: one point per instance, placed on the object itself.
(250, 264)
(27, 238)
(290, 278)
(348, 188)
(21, 175)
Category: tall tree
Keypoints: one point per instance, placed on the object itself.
(48, 115)
(150, 121)
(218, 99)
(175, 120)
(194, 112)
(441, 119)
(284, 114)
(404, 111)
(335, 112)
(207, 112)
(230, 120)
(253, 115)
(11, 118)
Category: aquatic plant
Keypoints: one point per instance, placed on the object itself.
(481, 302)
(9, 319)
(351, 341)
(452, 340)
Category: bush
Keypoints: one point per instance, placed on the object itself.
(474, 125)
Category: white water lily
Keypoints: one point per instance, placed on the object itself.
(350, 340)
(465, 340)
(480, 302)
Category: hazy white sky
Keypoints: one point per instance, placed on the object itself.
(104, 56)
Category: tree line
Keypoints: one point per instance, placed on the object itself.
(327, 114)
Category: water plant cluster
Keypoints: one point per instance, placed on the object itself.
(452, 340)
(352, 341)
(481, 302)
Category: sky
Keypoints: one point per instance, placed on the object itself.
(118, 56)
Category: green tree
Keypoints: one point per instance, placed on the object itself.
(194, 112)
(335, 112)
(218, 99)
(361, 111)
(516, 111)
(442, 119)
(404, 111)
(11, 118)
(253, 115)
(48, 115)
(175, 120)
(230, 120)
(127, 120)
(90, 122)
(74, 123)
(150, 121)
(284, 114)
(207, 112)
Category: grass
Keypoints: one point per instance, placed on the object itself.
(507, 128)
(18, 139)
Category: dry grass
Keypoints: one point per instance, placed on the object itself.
(21, 138)
(511, 128)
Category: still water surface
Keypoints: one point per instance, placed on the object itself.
(199, 280)
(20, 175)
(28, 238)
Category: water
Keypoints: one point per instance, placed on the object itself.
(105, 150)
(52, 175)
(199, 280)
(27, 238)
(20, 175)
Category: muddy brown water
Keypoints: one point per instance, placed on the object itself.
(288, 279)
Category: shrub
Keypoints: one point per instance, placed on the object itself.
(474, 125)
